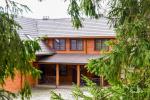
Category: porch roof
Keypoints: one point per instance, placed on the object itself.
(69, 58)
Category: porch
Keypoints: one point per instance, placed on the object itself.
(64, 69)
(65, 74)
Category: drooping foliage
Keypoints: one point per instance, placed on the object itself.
(6, 95)
(79, 8)
(16, 55)
(127, 66)
(131, 49)
(55, 96)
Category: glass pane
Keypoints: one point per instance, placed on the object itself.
(79, 45)
(73, 45)
(98, 45)
(104, 46)
(59, 44)
(61, 48)
(55, 44)
(62, 44)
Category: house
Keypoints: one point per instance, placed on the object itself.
(65, 50)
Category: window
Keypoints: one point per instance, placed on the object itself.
(59, 44)
(76, 44)
(101, 45)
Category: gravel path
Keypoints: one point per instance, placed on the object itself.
(43, 93)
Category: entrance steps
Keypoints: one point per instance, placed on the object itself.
(53, 86)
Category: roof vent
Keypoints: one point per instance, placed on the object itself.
(45, 17)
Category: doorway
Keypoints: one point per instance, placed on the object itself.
(74, 74)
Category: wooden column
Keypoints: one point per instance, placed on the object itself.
(57, 75)
(85, 46)
(101, 81)
(78, 75)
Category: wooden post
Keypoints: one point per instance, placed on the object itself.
(101, 81)
(57, 75)
(78, 75)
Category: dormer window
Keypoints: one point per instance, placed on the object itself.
(59, 44)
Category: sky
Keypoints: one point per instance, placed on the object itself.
(51, 8)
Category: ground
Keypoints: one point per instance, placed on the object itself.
(43, 92)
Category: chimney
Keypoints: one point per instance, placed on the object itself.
(45, 17)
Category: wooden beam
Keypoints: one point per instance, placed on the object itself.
(57, 75)
(78, 75)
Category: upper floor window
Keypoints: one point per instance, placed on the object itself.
(59, 44)
(101, 45)
(76, 44)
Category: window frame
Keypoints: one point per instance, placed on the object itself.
(101, 44)
(76, 45)
(59, 46)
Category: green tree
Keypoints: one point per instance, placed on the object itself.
(15, 54)
(127, 66)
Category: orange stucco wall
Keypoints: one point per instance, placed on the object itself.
(17, 83)
(88, 46)
(13, 85)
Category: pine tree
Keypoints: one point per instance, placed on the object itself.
(15, 54)
(127, 66)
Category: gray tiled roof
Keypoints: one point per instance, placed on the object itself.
(69, 58)
(29, 28)
(44, 49)
(63, 28)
